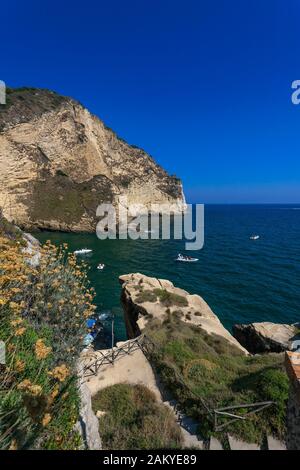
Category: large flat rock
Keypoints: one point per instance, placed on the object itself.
(265, 336)
(141, 303)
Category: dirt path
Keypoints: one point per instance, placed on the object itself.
(134, 368)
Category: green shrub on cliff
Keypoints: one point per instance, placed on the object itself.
(42, 322)
(133, 419)
(168, 299)
(197, 366)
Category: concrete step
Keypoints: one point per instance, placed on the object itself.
(275, 444)
(188, 427)
(215, 444)
(190, 441)
(236, 444)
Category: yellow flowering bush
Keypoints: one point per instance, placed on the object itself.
(42, 323)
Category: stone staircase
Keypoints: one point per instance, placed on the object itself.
(189, 427)
(191, 440)
(236, 444)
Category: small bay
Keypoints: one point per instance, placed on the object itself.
(242, 280)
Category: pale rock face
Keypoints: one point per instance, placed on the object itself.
(58, 162)
(264, 337)
(137, 313)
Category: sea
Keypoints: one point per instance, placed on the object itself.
(242, 280)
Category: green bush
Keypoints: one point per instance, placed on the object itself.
(146, 296)
(170, 299)
(134, 419)
(196, 366)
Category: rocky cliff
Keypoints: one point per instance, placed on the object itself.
(144, 298)
(267, 336)
(58, 162)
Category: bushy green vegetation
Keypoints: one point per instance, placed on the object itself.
(57, 197)
(168, 299)
(197, 366)
(146, 296)
(42, 323)
(39, 99)
(134, 419)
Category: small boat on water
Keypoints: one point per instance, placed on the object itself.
(106, 315)
(83, 251)
(101, 266)
(254, 237)
(187, 259)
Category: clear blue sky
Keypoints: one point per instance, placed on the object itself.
(202, 85)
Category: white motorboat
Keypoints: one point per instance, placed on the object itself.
(186, 259)
(254, 237)
(101, 266)
(83, 251)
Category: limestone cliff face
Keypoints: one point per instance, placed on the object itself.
(58, 162)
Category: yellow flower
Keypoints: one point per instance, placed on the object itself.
(35, 390)
(46, 419)
(14, 306)
(11, 347)
(16, 322)
(16, 290)
(20, 331)
(28, 387)
(24, 384)
(13, 445)
(60, 373)
(54, 392)
(19, 365)
(41, 350)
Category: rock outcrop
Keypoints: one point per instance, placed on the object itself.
(144, 298)
(266, 336)
(58, 162)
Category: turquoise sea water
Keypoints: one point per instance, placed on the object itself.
(242, 280)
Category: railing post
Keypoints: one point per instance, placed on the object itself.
(112, 338)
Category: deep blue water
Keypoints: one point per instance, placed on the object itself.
(242, 280)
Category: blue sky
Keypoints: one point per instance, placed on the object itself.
(204, 86)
